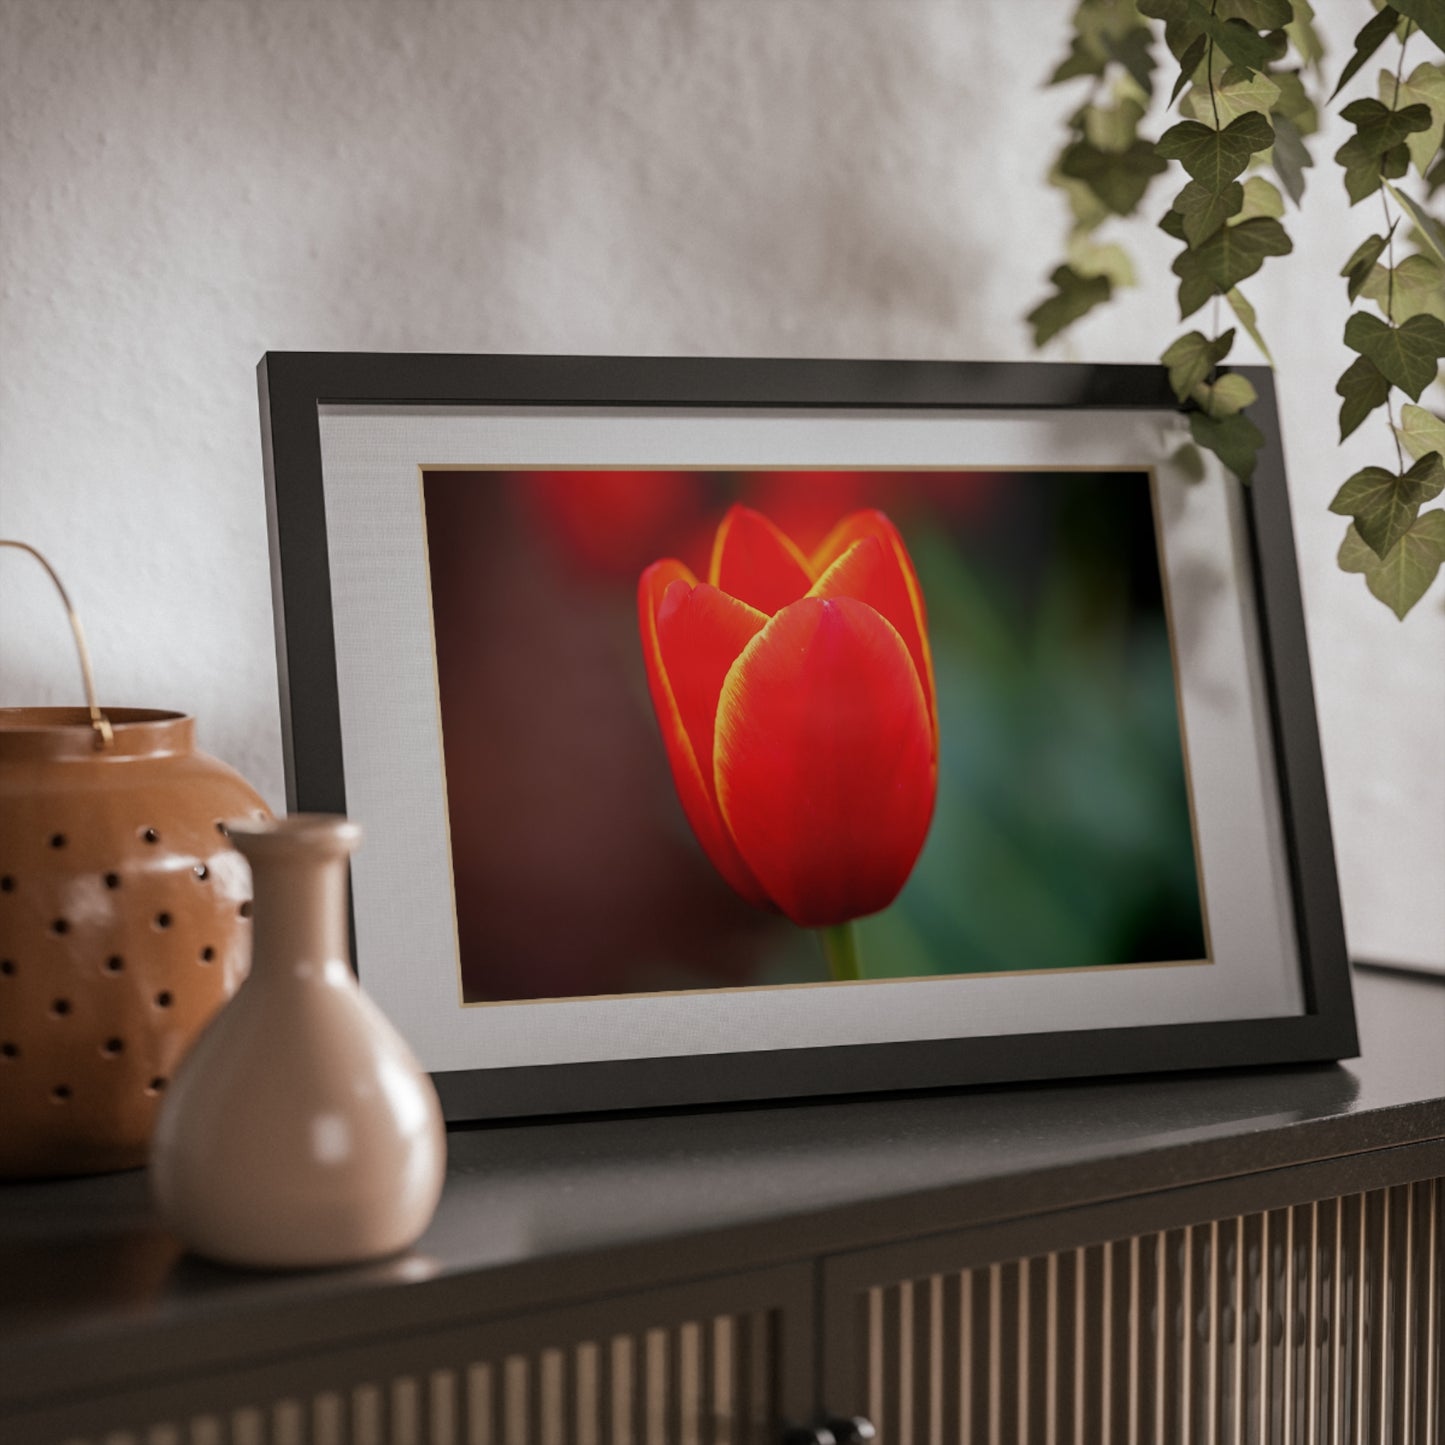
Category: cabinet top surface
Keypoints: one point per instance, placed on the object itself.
(581, 1205)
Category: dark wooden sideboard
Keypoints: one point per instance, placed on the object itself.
(1244, 1256)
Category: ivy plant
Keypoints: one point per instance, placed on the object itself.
(1106, 166)
(1243, 105)
(1241, 69)
(1395, 538)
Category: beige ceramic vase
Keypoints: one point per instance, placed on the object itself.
(299, 1131)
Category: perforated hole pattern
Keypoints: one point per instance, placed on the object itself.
(77, 1018)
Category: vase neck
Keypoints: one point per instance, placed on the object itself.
(299, 872)
(300, 911)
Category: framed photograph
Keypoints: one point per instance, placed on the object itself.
(728, 729)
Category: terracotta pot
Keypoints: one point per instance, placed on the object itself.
(124, 925)
(300, 1131)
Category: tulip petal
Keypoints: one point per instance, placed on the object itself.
(694, 792)
(700, 633)
(825, 763)
(756, 563)
(864, 557)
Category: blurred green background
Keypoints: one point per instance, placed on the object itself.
(1062, 835)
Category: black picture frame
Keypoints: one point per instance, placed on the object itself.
(294, 386)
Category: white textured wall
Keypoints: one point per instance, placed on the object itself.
(185, 185)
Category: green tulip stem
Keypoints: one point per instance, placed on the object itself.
(840, 948)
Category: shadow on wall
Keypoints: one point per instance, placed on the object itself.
(667, 179)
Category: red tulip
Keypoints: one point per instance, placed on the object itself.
(796, 701)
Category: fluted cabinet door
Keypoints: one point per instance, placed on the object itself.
(721, 1361)
(1315, 1323)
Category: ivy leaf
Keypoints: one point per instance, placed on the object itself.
(1291, 157)
(1235, 440)
(1118, 178)
(1363, 389)
(1203, 211)
(1172, 224)
(1113, 128)
(1419, 288)
(1075, 296)
(1238, 39)
(1430, 228)
(1378, 128)
(1082, 59)
(1304, 36)
(1134, 51)
(1186, 459)
(1088, 211)
(1294, 101)
(1420, 431)
(1403, 576)
(1226, 396)
(1371, 37)
(1426, 86)
(1089, 258)
(1377, 147)
(1229, 256)
(1216, 157)
(1363, 176)
(1362, 261)
(1189, 62)
(1262, 14)
(1429, 15)
(1192, 357)
(1101, 21)
(1435, 176)
(1245, 312)
(1260, 199)
(1384, 506)
(1181, 25)
(1100, 29)
(1239, 91)
(1407, 355)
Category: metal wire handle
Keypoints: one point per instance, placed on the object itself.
(104, 736)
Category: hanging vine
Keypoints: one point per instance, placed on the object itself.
(1391, 540)
(1241, 107)
(1240, 89)
(1105, 167)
